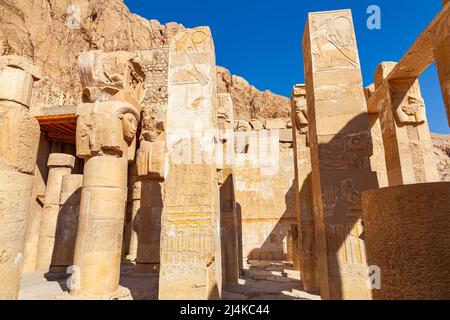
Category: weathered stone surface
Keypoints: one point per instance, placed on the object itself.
(190, 263)
(341, 146)
(19, 139)
(275, 124)
(307, 253)
(407, 235)
(67, 224)
(407, 142)
(59, 165)
(441, 144)
(106, 139)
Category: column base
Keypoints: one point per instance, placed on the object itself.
(121, 294)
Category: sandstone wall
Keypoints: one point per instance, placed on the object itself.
(266, 205)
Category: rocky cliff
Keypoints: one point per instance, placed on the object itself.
(53, 32)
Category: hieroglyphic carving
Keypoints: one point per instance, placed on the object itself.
(188, 49)
(341, 146)
(332, 42)
(351, 151)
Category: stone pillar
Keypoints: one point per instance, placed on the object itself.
(441, 40)
(190, 220)
(407, 236)
(37, 203)
(228, 211)
(295, 247)
(303, 198)
(341, 146)
(150, 162)
(408, 146)
(106, 139)
(149, 234)
(59, 165)
(19, 139)
(67, 225)
(130, 242)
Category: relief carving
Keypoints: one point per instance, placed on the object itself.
(347, 152)
(333, 44)
(298, 104)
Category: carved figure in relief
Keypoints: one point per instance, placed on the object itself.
(150, 158)
(333, 44)
(298, 103)
(411, 111)
(188, 47)
(350, 151)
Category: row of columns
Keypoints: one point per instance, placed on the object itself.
(352, 152)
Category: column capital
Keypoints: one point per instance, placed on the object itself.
(63, 160)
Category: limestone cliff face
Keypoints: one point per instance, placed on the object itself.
(441, 144)
(50, 33)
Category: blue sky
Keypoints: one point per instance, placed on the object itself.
(261, 40)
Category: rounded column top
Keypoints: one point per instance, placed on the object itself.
(61, 160)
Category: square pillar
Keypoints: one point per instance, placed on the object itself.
(341, 146)
(190, 218)
(407, 140)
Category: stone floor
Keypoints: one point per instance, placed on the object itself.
(260, 281)
(268, 280)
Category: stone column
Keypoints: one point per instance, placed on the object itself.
(304, 208)
(341, 146)
(441, 40)
(295, 247)
(149, 235)
(408, 146)
(59, 165)
(19, 139)
(228, 210)
(150, 162)
(190, 220)
(132, 228)
(37, 203)
(407, 236)
(67, 226)
(106, 139)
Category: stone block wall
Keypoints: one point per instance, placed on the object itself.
(266, 204)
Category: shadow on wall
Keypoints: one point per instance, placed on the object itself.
(273, 248)
(345, 172)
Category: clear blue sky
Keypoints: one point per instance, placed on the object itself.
(261, 40)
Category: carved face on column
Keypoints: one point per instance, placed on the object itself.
(411, 111)
(298, 102)
(129, 123)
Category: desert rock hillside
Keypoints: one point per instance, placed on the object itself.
(442, 150)
(44, 31)
(39, 29)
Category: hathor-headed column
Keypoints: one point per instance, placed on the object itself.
(441, 43)
(67, 226)
(304, 249)
(407, 140)
(190, 219)
(19, 139)
(59, 164)
(341, 145)
(150, 162)
(106, 139)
